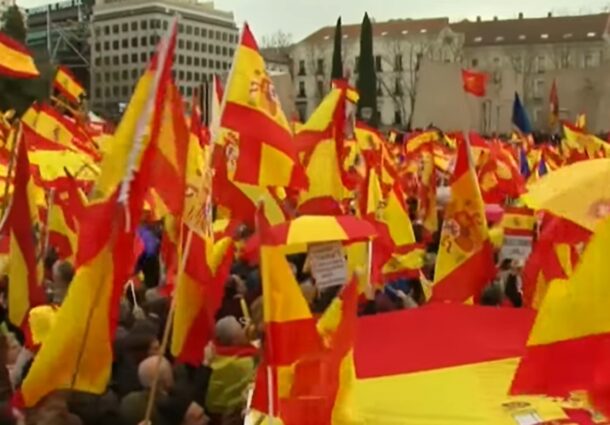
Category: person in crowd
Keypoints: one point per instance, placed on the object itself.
(133, 406)
(232, 371)
(63, 273)
(492, 295)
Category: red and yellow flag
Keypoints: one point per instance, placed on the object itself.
(25, 274)
(65, 82)
(569, 346)
(16, 62)
(464, 264)
(77, 355)
(475, 82)
(264, 150)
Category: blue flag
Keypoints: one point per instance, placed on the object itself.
(520, 118)
(524, 166)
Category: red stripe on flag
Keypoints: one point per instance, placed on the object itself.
(288, 341)
(247, 39)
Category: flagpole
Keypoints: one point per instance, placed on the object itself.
(11, 166)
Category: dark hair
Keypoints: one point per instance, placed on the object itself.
(492, 296)
(65, 271)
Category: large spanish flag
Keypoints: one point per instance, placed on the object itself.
(266, 154)
(569, 346)
(25, 273)
(464, 264)
(77, 354)
(16, 61)
(66, 83)
(454, 369)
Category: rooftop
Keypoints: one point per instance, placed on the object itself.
(549, 29)
(393, 28)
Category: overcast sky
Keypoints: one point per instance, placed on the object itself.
(301, 17)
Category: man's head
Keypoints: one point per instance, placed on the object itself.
(63, 273)
(229, 332)
(148, 369)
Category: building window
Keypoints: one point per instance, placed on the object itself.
(134, 42)
(125, 58)
(189, 30)
(378, 64)
(197, 30)
(204, 62)
(181, 44)
(217, 64)
(398, 63)
(134, 73)
(189, 61)
(125, 43)
(115, 91)
(474, 63)
(156, 24)
(541, 63)
(398, 87)
(144, 41)
(107, 30)
(217, 49)
(224, 51)
(181, 60)
(197, 76)
(134, 26)
(302, 67)
(196, 46)
(180, 28)
(196, 61)
(143, 57)
(115, 29)
(106, 45)
(189, 76)
(98, 78)
(165, 25)
(144, 25)
(98, 31)
(107, 60)
(134, 58)
(204, 47)
(204, 77)
(181, 75)
(125, 27)
(591, 60)
(98, 92)
(302, 89)
(107, 91)
(189, 91)
(320, 66)
(115, 76)
(397, 116)
(231, 51)
(124, 91)
(217, 35)
(204, 32)
(107, 77)
(224, 65)
(98, 47)
(115, 60)
(98, 61)
(125, 74)
(115, 44)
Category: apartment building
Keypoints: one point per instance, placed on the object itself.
(399, 47)
(522, 54)
(124, 36)
(4, 5)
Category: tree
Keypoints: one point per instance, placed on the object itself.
(367, 79)
(13, 25)
(278, 40)
(337, 71)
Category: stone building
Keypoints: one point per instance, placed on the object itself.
(126, 32)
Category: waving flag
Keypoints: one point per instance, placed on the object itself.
(569, 346)
(265, 152)
(520, 118)
(475, 83)
(65, 82)
(25, 275)
(16, 62)
(464, 264)
(78, 354)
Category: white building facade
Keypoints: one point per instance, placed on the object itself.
(124, 36)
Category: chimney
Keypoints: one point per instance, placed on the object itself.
(520, 15)
(495, 18)
(478, 19)
(549, 15)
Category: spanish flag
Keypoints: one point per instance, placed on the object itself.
(311, 363)
(65, 82)
(464, 264)
(266, 154)
(78, 354)
(455, 369)
(475, 83)
(25, 274)
(16, 62)
(569, 345)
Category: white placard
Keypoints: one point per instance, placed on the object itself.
(328, 265)
(516, 247)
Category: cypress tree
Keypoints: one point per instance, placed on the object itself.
(337, 71)
(367, 79)
(13, 25)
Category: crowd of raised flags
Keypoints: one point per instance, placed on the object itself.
(256, 187)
